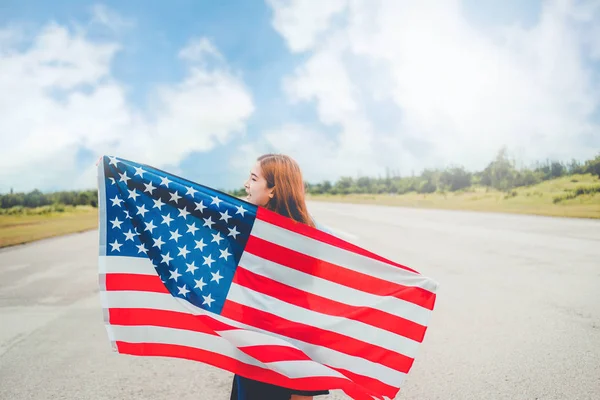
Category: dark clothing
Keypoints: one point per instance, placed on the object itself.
(248, 389)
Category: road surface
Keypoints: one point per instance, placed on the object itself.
(517, 316)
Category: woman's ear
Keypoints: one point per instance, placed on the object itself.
(271, 192)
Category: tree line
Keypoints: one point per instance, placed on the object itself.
(36, 198)
(501, 174)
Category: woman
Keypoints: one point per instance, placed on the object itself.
(275, 183)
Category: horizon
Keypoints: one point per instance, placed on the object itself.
(518, 167)
(201, 89)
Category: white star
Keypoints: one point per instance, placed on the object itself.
(166, 258)
(200, 283)
(149, 226)
(127, 214)
(183, 212)
(113, 161)
(158, 204)
(190, 191)
(192, 228)
(191, 267)
(167, 219)
(129, 235)
(183, 290)
(207, 300)
(208, 261)
(124, 177)
(240, 210)
(208, 222)
(183, 251)
(216, 200)
(199, 244)
(200, 206)
(224, 216)
(116, 246)
(141, 210)
(117, 201)
(165, 181)
(233, 232)
(175, 235)
(133, 193)
(112, 181)
(216, 238)
(174, 274)
(158, 243)
(149, 187)
(139, 171)
(224, 254)
(175, 196)
(116, 223)
(216, 277)
(142, 248)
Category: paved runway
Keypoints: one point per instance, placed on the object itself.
(517, 316)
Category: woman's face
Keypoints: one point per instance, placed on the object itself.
(256, 187)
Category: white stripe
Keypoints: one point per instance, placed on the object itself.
(101, 208)
(245, 338)
(292, 277)
(321, 354)
(335, 291)
(348, 327)
(218, 345)
(126, 265)
(338, 256)
(304, 368)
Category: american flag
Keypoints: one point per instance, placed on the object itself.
(191, 272)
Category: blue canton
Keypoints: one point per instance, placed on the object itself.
(193, 235)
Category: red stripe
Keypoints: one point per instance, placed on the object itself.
(303, 229)
(368, 382)
(367, 315)
(338, 274)
(208, 325)
(317, 336)
(274, 353)
(235, 366)
(149, 283)
(167, 319)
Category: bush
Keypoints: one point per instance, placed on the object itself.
(580, 191)
(427, 187)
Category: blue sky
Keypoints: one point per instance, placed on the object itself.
(345, 90)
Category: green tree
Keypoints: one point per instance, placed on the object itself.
(455, 178)
(500, 173)
(592, 166)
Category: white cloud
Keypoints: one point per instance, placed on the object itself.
(104, 16)
(301, 22)
(60, 95)
(451, 93)
(291, 139)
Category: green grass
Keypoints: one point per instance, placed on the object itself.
(573, 201)
(18, 226)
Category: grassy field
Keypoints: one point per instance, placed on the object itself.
(34, 225)
(538, 199)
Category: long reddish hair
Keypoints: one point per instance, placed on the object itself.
(283, 173)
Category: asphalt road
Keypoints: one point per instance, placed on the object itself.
(517, 316)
